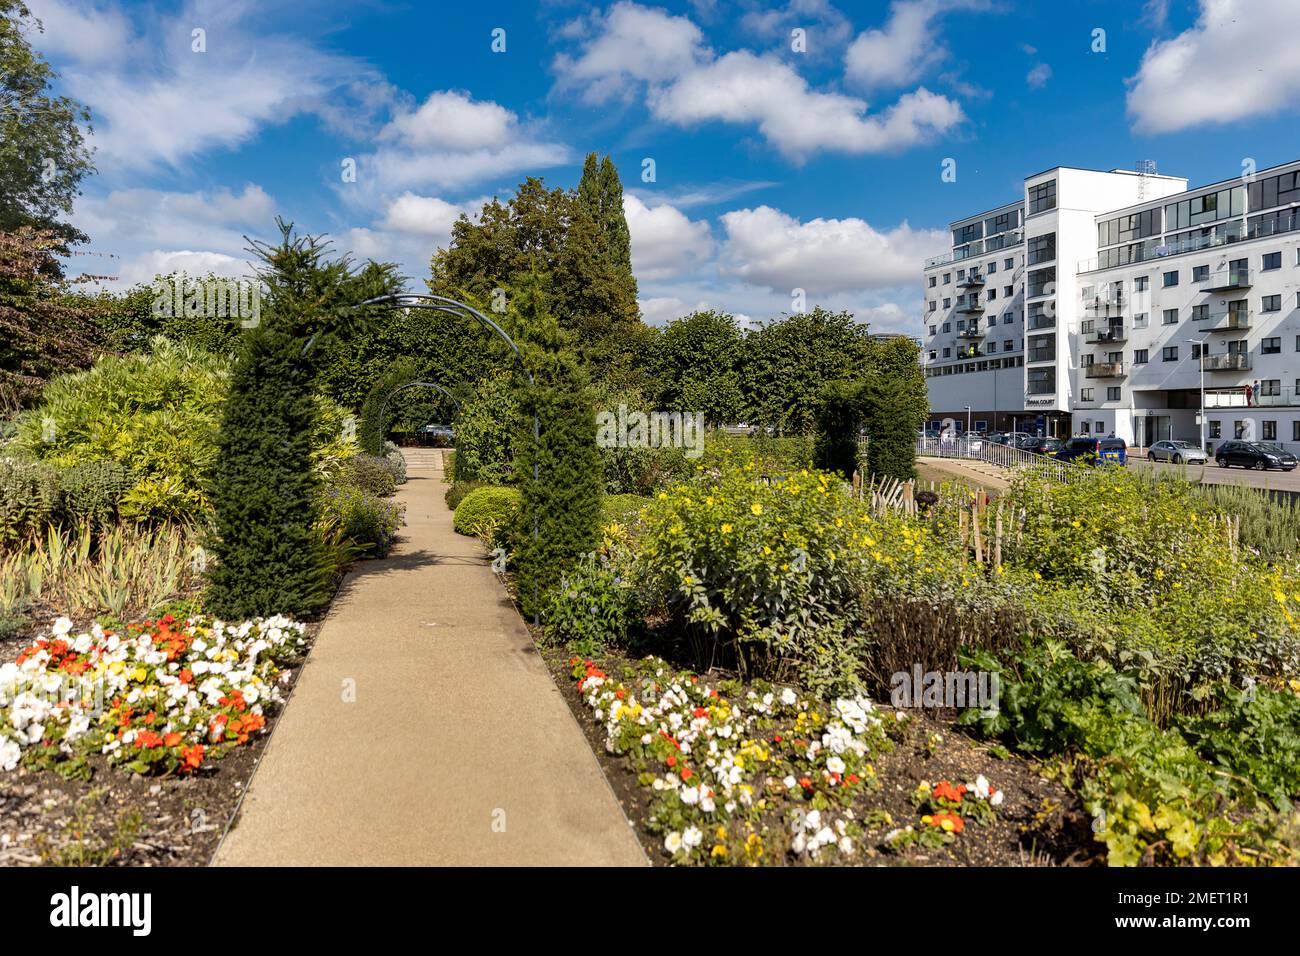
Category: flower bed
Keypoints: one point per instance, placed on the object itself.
(721, 773)
(161, 697)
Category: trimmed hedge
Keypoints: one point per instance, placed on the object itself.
(484, 510)
(457, 491)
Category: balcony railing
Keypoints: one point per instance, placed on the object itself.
(968, 306)
(1042, 322)
(1237, 320)
(1041, 355)
(1232, 362)
(1104, 370)
(1112, 333)
(1237, 398)
(972, 281)
(1228, 280)
(972, 331)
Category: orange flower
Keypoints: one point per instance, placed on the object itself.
(948, 822)
(172, 739)
(191, 757)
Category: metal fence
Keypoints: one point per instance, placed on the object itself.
(1003, 456)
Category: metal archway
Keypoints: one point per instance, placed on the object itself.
(440, 303)
(446, 392)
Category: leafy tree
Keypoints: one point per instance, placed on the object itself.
(487, 427)
(559, 509)
(786, 362)
(839, 420)
(43, 154)
(696, 365)
(600, 194)
(378, 410)
(891, 418)
(44, 330)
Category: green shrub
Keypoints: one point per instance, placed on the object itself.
(93, 491)
(485, 426)
(30, 499)
(378, 401)
(369, 521)
(270, 554)
(370, 474)
(839, 419)
(595, 605)
(483, 511)
(457, 491)
(156, 414)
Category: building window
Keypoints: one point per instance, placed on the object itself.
(992, 267)
(1139, 356)
(1196, 350)
(947, 326)
(1042, 197)
(1169, 353)
(1140, 283)
(1171, 279)
(1008, 291)
(1272, 260)
(1042, 281)
(993, 294)
(993, 346)
(1270, 430)
(961, 325)
(1216, 428)
(1009, 264)
(933, 355)
(947, 277)
(1200, 312)
(1270, 386)
(947, 303)
(1008, 346)
(1271, 346)
(947, 353)
(1295, 430)
(933, 280)
(1085, 395)
(1041, 249)
(1170, 317)
(934, 330)
(1140, 320)
(1271, 303)
(1200, 273)
(1112, 393)
(1006, 319)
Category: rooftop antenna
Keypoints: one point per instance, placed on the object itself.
(1145, 168)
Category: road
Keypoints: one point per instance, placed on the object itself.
(1212, 474)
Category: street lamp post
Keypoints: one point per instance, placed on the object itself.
(1201, 346)
(967, 407)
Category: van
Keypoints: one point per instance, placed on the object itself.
(1094, 450)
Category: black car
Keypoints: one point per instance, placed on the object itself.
(1093, 450)
(1044, 446)
(1254, 454)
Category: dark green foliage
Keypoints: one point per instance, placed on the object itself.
(367, 521)
(560, 507)
(594, 606)
(270, 556)
(380, 406)
(485, 510)
(371, 474)
(839, 419)
(892, 417)
(787, 361)
(34, 127)
(696, 364)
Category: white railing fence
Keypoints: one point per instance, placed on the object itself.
(1003, 456)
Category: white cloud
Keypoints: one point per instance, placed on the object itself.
(687, 85)
(768, 248)
(145, 266)
(905, 48)
(92, 33)
(453, 121)
(743, 88)
(629, 45)
(826, 28)
(1038, 76)
(664, 241)
(421, 216)
(660, 310)
(1237, 61)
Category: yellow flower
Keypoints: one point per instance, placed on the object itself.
(718, 850)
(726, 529)
(756, 508)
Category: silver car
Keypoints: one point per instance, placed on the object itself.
(1177, 452)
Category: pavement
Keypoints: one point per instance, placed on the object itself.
(1212, 474)
(425, 729)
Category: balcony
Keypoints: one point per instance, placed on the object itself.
(1041, 355)
(973, 331)
(970, 306)
(973, 281)
(1237, 320)
(1236, 398)
(1042, 322)
(1104, 370)
(1229, 280)
(1232, 362)
(1103, 336)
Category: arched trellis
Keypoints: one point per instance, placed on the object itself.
(440, 303)
(446, 392)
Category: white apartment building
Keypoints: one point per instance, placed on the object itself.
(1101, 301)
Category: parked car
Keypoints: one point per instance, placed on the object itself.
(1043, 446)
(996, 438)
(1177, 452)
(439, 436)
(1254, 454)
(1023, 440)
(1094, 450)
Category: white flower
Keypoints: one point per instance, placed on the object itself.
(788, 697)
(707, 804)
(846, 846)
(10, 753)
(61, 627)
(673, 842)
(693, 837)
(996, 799)
(789, 782)
(690, 795)
(835, 765)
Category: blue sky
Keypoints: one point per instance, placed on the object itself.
(774, 168)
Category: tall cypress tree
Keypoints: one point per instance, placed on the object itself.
(600, 193)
